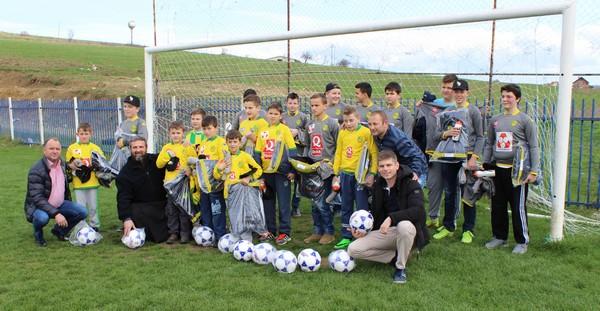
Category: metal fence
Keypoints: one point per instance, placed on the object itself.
(35, 120)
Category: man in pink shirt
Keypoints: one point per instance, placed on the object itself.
(48, 195)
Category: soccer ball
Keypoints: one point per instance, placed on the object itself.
(361, 221)
(285, 261)
(263, 253)
(340, 261)
(309, 260)
(243, 250)
(227, 242)
(203, 235)
(87, 236)
(136, 238)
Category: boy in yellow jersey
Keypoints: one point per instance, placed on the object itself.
(173, 157)
(253, 124)
(353, 140)
(195, 135)
(274, 146)
(240, 168)
(85, 183)
(212, 205)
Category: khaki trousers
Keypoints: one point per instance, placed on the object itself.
(379, 247)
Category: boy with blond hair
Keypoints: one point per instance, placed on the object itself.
(85, 183)
(353, 143)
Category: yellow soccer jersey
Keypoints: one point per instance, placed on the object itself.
(348, 149)
(195, 137)
(83, 152)
(267, 139)
(183, 153)
(241, 164)
(212, 148)
(252, 126)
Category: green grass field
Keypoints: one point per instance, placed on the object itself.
(108, 276)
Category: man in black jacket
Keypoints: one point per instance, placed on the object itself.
(399, 217)
(141, 197)
(48, 195)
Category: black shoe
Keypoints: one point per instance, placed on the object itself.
(172, 238)
(399, 276)
(58, 235)
(185, 238)
(97, 229)
(39, 239)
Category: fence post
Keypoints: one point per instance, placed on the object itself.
(174, 108)
(11, 119)
(119, 108)
(76, 115)
(41, 119)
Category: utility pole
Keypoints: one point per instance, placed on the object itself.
(289, 64)
(486, 103)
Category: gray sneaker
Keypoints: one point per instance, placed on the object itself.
(495, 243)
(520, 249)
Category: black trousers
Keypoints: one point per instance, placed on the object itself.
(516, 197)
(151, 216)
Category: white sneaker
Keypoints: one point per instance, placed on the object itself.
(520, 249)
(495, 243)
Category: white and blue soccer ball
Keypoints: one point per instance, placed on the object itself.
(243, 250)
(309, 260)
(136, 238)
(361, 221)
(227, 242)
(285, 261)
(204, 236)
(87, 236)
(263, 253)
(340, 261)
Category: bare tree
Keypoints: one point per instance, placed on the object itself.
(343, 63)
(71, 35)
(306, 56)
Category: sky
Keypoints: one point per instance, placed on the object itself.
(526, 46)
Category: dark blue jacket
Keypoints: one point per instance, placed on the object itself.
(406, 149)
(39, 187)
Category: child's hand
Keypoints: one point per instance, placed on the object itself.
(291, 176)
(187, 171)
(245, 181)
(221, 165)
(73, 166)
(294, 132)
(120, 143)
(251, 136)
(186, 143)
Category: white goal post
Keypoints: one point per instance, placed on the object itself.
(563, 109)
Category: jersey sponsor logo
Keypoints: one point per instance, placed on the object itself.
(316, 145)
(264, 134)
(133, 129)
(232, 175)
(349, 152)
(298, 122)
(360, 139)
(311, 128)
(504, 141)
(514, 123)
(268, 149)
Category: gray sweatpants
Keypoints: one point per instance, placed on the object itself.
(89, 199)
(379, 247)
(435, 184)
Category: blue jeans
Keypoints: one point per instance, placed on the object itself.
(73, 212)
(212, 207)
(452, 199)
(283, 190)
(321, 211)
(351, 191)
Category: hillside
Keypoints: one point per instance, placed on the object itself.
(32, 67)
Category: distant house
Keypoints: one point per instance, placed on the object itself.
(553, 84)
(581, 83)
(284, 59)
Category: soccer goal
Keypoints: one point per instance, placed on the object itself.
(213, 74)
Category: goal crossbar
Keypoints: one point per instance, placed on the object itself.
(566, 9)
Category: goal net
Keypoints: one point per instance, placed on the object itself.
(414, 53)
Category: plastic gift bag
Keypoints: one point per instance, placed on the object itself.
(119, 157)
(246, 211)
(311, 185)
(83, 234)
(178, 190)
(452, 149)
(363, 166)
(521, 164)
(205, 179)
(104, 171)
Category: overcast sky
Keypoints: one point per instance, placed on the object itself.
(528, 45)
